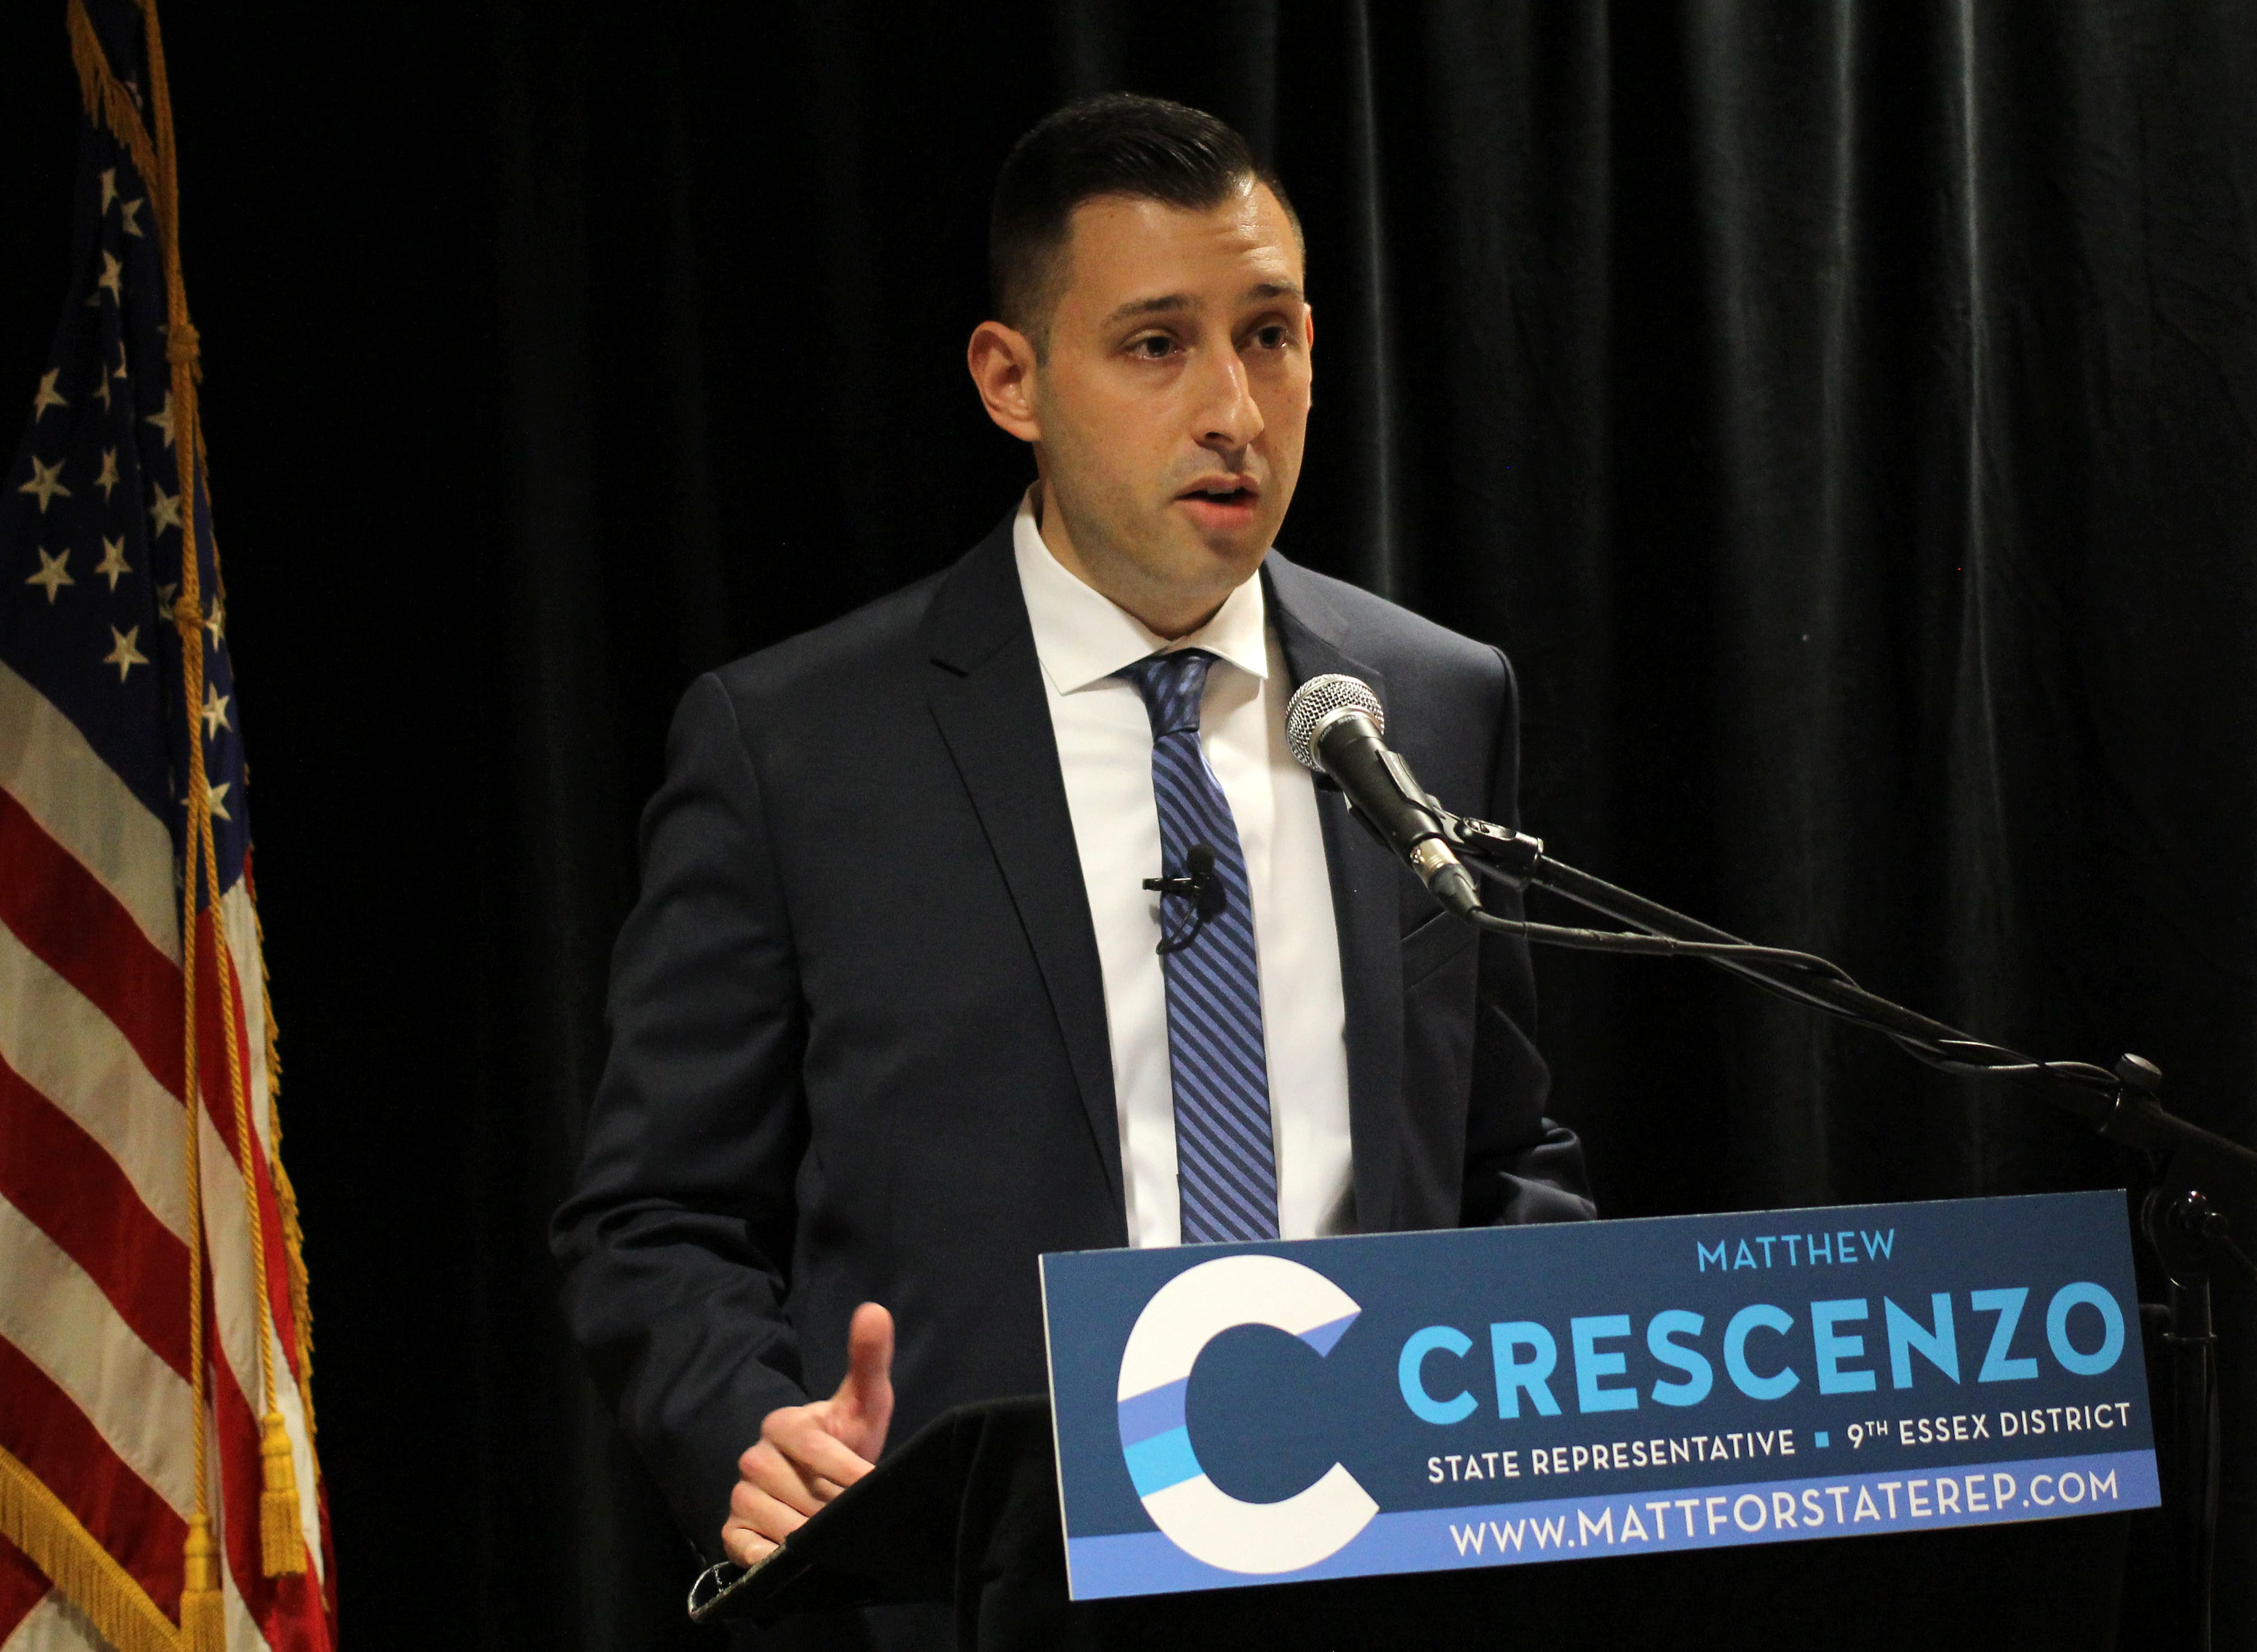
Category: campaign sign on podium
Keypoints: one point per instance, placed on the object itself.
(1243, 1414)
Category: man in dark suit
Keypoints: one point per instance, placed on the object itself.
(896, 1012)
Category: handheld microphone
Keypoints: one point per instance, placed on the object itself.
(1334, 726)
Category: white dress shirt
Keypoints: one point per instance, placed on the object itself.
(1104, 749)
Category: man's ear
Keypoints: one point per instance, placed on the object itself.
(1003, 363)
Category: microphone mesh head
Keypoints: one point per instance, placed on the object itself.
(1319, 698)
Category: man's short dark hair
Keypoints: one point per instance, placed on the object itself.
(1140, 148)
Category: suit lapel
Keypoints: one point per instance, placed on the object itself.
(989, 701)
(1367, 899)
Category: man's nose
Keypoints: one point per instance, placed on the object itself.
(1229, 417)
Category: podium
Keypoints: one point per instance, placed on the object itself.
(965, 1515)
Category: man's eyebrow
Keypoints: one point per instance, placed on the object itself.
(1165, 304)
(1176, 303)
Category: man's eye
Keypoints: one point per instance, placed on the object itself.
(1271, 337)
(1153, 349)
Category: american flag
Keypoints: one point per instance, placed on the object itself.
(159, 1491)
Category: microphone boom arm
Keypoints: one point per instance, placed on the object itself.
(2121, 1104)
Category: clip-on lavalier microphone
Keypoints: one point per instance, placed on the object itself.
(1202, 887)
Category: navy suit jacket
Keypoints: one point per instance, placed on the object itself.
(858, 1045)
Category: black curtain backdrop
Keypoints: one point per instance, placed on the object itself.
(1845, 414)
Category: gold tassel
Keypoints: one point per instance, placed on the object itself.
(203, 1615)
(282, 1543)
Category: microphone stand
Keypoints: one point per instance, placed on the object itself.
(2187, 1232)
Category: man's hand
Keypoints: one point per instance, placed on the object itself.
(809, 1453)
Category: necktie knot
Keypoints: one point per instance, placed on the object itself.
(1173, 685)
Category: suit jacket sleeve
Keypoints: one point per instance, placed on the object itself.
(1520, 1166)
(675, 1244)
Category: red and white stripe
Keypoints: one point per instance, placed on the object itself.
(95, 1396)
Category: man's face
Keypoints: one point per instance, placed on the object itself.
(1172, 403)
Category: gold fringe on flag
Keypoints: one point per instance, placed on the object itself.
(108, 102)
(285, 1196)
(281, 1538)
(41, 1524)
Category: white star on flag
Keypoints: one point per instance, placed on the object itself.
(162, 420)
(108, 479)
(108, 187)
(113, 559)
(125, 211)
(124, 655)
(48, 396)
(102, 389)
(218, 624)
(218, 795)
(216, 711)
(164, 509)
(45, 482)
(108, 280)
(52, 575)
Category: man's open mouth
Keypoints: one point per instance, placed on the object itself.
(1222, 491)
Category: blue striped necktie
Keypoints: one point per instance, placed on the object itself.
(1226, 1167)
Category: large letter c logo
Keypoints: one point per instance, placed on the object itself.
(1206, 1523)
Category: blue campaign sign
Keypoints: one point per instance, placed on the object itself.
(1243, 1414)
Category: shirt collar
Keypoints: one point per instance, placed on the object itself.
(1083, 636)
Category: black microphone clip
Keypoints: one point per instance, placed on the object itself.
(1201, 886)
